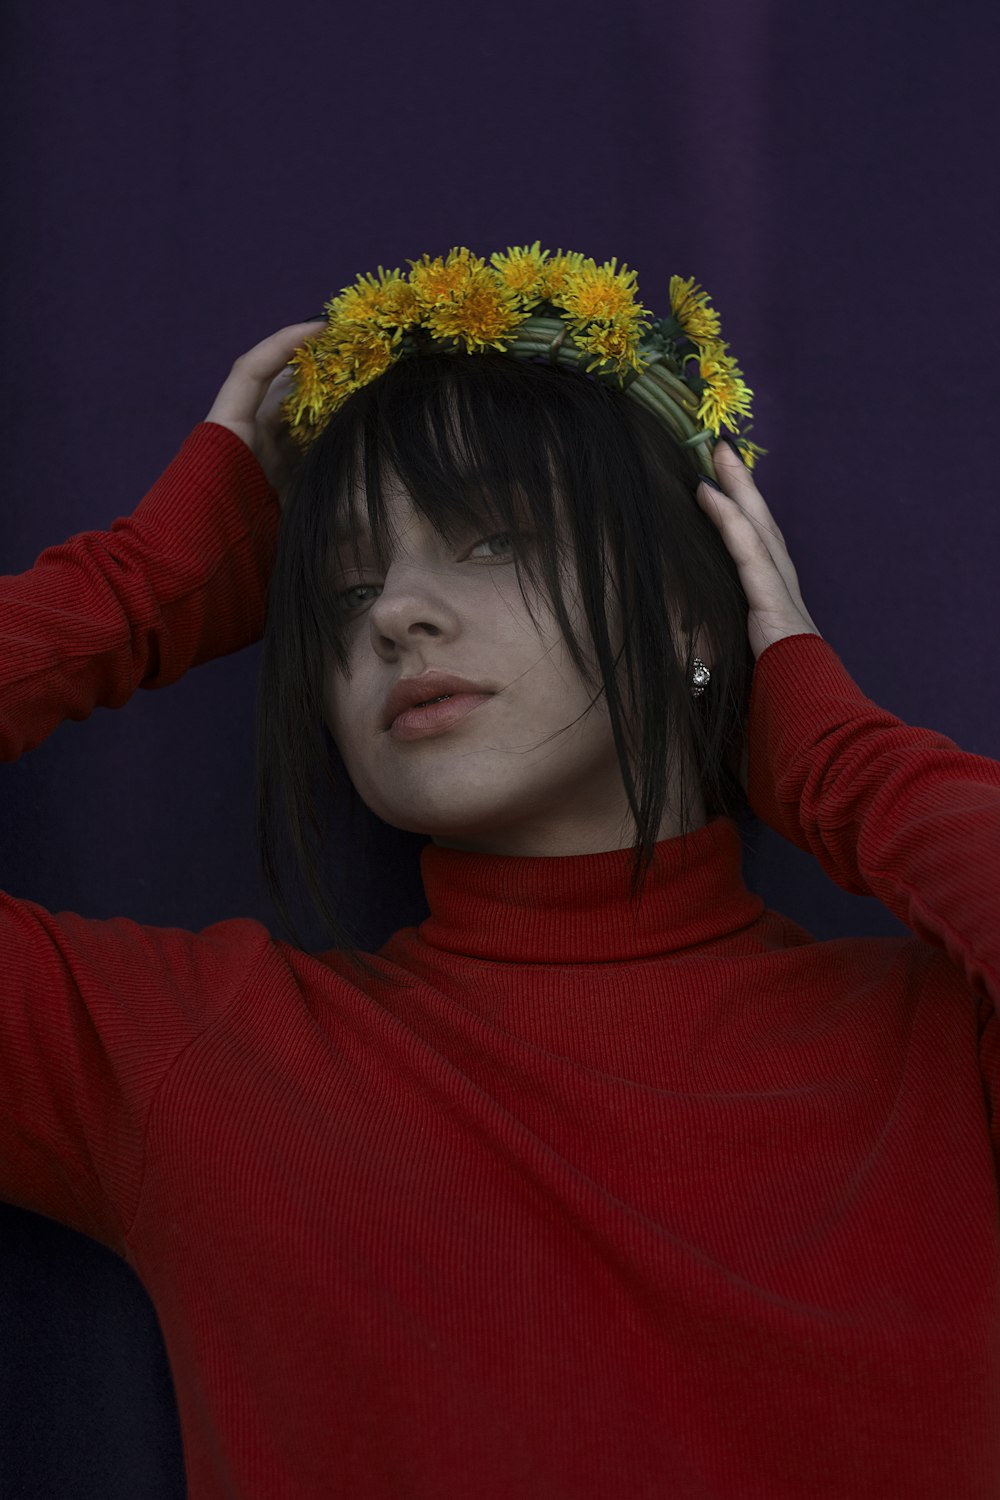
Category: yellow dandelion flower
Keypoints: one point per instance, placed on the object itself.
(358, 303)
(364, 352)
(436, 282)
(592, 291)
(616, 341)
(725, 395)
(355, 353)
(388, 302)
(401, 305)
(484, 312)
(750, 452)
(690, 307)
(523, 270)
(328, 343)
(555, 273)
(309, 390)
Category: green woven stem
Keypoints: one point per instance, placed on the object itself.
(660, 401)
(680, 390)
(661, 392)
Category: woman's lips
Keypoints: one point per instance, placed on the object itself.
(434, 718)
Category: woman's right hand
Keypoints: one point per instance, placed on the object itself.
(249, 402)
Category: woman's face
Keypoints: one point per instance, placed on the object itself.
(529, 772)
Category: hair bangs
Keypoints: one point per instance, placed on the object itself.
(471, 453)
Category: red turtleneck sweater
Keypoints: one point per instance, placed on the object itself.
(676, 1202)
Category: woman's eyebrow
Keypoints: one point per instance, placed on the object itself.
(343, 533)
(347, 528)
(356, 524)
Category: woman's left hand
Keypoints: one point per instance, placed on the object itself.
(250, 402)
(757, 547)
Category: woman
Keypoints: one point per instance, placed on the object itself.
(604, 1180)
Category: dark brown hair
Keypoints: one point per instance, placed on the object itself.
(598, 481)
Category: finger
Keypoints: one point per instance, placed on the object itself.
(252, 373)
(265, 359)
(743, 538)
(276, 392)
(741, 492)
(762, 559)
(738, 482)
(283, 380)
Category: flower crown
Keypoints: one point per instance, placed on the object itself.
(564, 308)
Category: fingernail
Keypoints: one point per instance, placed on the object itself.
(316, 318)
(705, 480)
(731, 445)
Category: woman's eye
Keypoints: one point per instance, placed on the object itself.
(501, 536)
(345, 599)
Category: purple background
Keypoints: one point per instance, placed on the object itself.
(181, 180)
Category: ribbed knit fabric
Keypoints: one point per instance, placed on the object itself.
(656, 1201)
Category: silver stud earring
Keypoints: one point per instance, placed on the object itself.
(701, 678)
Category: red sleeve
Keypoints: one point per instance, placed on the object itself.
(179, 582)
(889, 811)
(94, 1013)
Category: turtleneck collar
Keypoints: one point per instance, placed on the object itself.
(576, 909)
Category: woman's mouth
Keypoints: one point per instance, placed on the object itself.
(437, 715)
